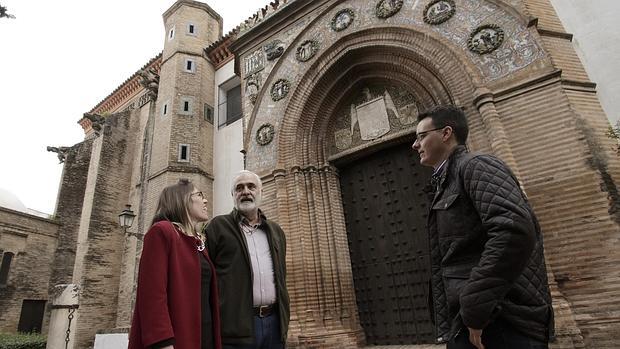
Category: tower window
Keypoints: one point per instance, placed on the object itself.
(5, 267)
(186, 105)
(184, 152)
(190, 65)
(191, 29)
(171, 33)
(164, 109)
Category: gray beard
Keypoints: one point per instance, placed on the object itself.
(246, 207)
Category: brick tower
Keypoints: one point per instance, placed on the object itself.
(182, 139)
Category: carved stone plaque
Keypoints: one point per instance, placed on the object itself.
(274, 49)
(439, 11)
(343, 19)
(486, 39)
(280, 89)
(356, 119)
(252, 86)
(307, 50)
(254, 62)
(264, 134)
(388, 8)
(373, 119)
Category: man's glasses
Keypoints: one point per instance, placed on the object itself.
(420, 135)
(199, 194)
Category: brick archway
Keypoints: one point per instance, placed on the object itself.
(420, 60)
(305, 187)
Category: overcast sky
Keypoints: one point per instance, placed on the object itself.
(58, 59)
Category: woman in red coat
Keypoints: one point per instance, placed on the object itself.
(176, 302)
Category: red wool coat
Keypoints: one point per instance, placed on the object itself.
(168, 295)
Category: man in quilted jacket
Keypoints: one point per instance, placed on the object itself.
(488, 277)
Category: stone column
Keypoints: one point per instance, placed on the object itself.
(320, 278)
(64, 317)
(484, 102)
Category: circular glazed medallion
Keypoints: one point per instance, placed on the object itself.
(307, 50)
(264, 134)
(280, 89)
(485, 39)
(439, 11)
(274, 49)
(343, 19)
(388, 8)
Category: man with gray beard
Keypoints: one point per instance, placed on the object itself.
(249, 254)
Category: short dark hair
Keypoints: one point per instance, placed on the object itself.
(448, 115)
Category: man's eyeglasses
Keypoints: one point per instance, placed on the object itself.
(199, 194)
(420, 135)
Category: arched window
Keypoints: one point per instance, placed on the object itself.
(6, 265)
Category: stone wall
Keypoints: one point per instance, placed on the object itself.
(100, 239)
(32, 240)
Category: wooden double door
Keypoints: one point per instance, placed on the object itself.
(385, 210)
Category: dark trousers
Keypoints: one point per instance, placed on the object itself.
(498, 335)
(266, 334)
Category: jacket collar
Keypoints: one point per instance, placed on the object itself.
(240, 218)
(439, 178)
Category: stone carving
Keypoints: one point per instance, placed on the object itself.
(274, 49)
(307, 50)
(485, 39)
(254, 62)
(388, 8)
(280, 89)
(97, 122)
(343, 19)
(373, 119)
(61, 152)
(439, 11)
(252, 86)
(343, 139)
(145, 98)
(264, 134)
(375, 111)
(149, 79)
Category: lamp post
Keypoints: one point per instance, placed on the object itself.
(125, 219)
(128, 269)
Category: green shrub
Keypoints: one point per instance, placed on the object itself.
(22, 341)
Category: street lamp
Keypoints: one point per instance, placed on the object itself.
(125, 219)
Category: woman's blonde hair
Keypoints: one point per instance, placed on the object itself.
(173, 204)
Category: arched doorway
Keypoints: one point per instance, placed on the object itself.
(386, 77)
(385, 211)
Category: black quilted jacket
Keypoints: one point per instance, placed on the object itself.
(486, 251)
